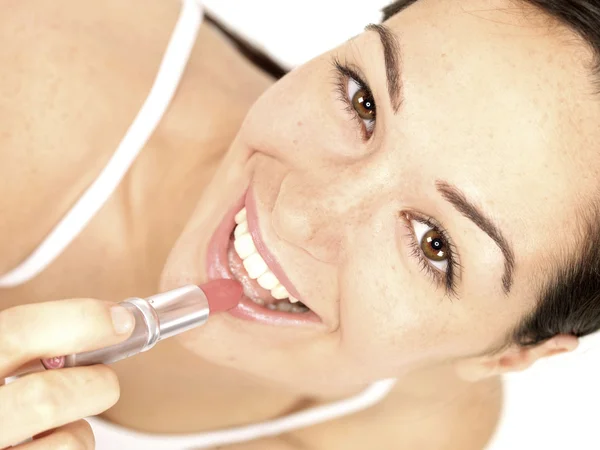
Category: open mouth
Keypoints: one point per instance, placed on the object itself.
(237, 251)
(247, 266)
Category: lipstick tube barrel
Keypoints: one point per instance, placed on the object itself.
(158, 317)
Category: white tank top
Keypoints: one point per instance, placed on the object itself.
(110, 436)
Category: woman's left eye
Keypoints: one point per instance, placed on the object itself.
(362, 103)
(357, 96)
(433, 245)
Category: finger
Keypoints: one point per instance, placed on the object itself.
(47, 400)
(74, 436)
(58, 328)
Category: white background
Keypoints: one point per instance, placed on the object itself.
(294, 31)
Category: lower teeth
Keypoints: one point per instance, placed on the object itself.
(285, 306)
(299, 309)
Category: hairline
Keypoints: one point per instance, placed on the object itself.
(398, 6)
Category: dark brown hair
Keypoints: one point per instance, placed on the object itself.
(569, 300)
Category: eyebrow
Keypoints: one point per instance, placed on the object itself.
(392, 58)
(458, 199)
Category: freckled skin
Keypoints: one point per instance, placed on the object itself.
(481, 109)
(494, 102)
(486, 108)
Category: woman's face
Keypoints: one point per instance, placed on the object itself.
(415, 214)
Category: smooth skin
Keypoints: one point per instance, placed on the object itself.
(52, 402)
(497, 100)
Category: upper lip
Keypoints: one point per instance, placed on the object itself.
(263, 251)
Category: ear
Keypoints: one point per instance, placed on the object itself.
(513, 359)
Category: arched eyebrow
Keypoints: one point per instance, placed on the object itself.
(468, 209)
(392, 57)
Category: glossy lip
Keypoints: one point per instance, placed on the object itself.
(218, 268)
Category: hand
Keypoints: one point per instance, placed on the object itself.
(50, 405)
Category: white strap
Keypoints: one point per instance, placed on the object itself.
(167, 80)
(124, 438)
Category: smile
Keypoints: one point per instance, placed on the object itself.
(248, 266)
(237, 251)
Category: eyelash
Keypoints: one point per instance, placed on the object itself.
(448, 280)
(344, 73)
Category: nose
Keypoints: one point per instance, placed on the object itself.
(319, 215)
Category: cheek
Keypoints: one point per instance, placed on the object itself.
(385, 320)
(287, 108)
(392, 317)
(301, 120)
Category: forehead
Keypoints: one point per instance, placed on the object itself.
(502, 99)
(497, 65)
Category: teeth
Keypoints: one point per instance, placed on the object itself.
(299, 309)
(284, 306)
(279, 292)
(267, 280)
(255, 266)
(241, 229)
(258, 270)
(240, 217)
(244, 246)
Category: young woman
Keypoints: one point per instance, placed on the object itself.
(419, 204)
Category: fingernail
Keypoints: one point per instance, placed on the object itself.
(122, 319)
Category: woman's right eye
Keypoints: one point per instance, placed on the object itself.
(362, 102)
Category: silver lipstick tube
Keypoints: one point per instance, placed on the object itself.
(156, 318)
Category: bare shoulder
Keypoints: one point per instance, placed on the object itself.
(64, 102)
(466, 424)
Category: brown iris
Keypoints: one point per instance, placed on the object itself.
(434, 247)
(364, 104)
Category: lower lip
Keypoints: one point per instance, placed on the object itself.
(218, 268)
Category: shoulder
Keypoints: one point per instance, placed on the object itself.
(64, 67)
(73, 77)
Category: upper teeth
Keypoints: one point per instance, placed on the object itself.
(253, 263)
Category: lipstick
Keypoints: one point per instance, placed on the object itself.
(158, 317)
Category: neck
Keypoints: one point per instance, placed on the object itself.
(181, 384)
(181, 387)
(434, 391)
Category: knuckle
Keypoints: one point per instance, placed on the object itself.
(94, 314)
(111, 383)
(83, 308)
(87, 304)
(42, 399)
